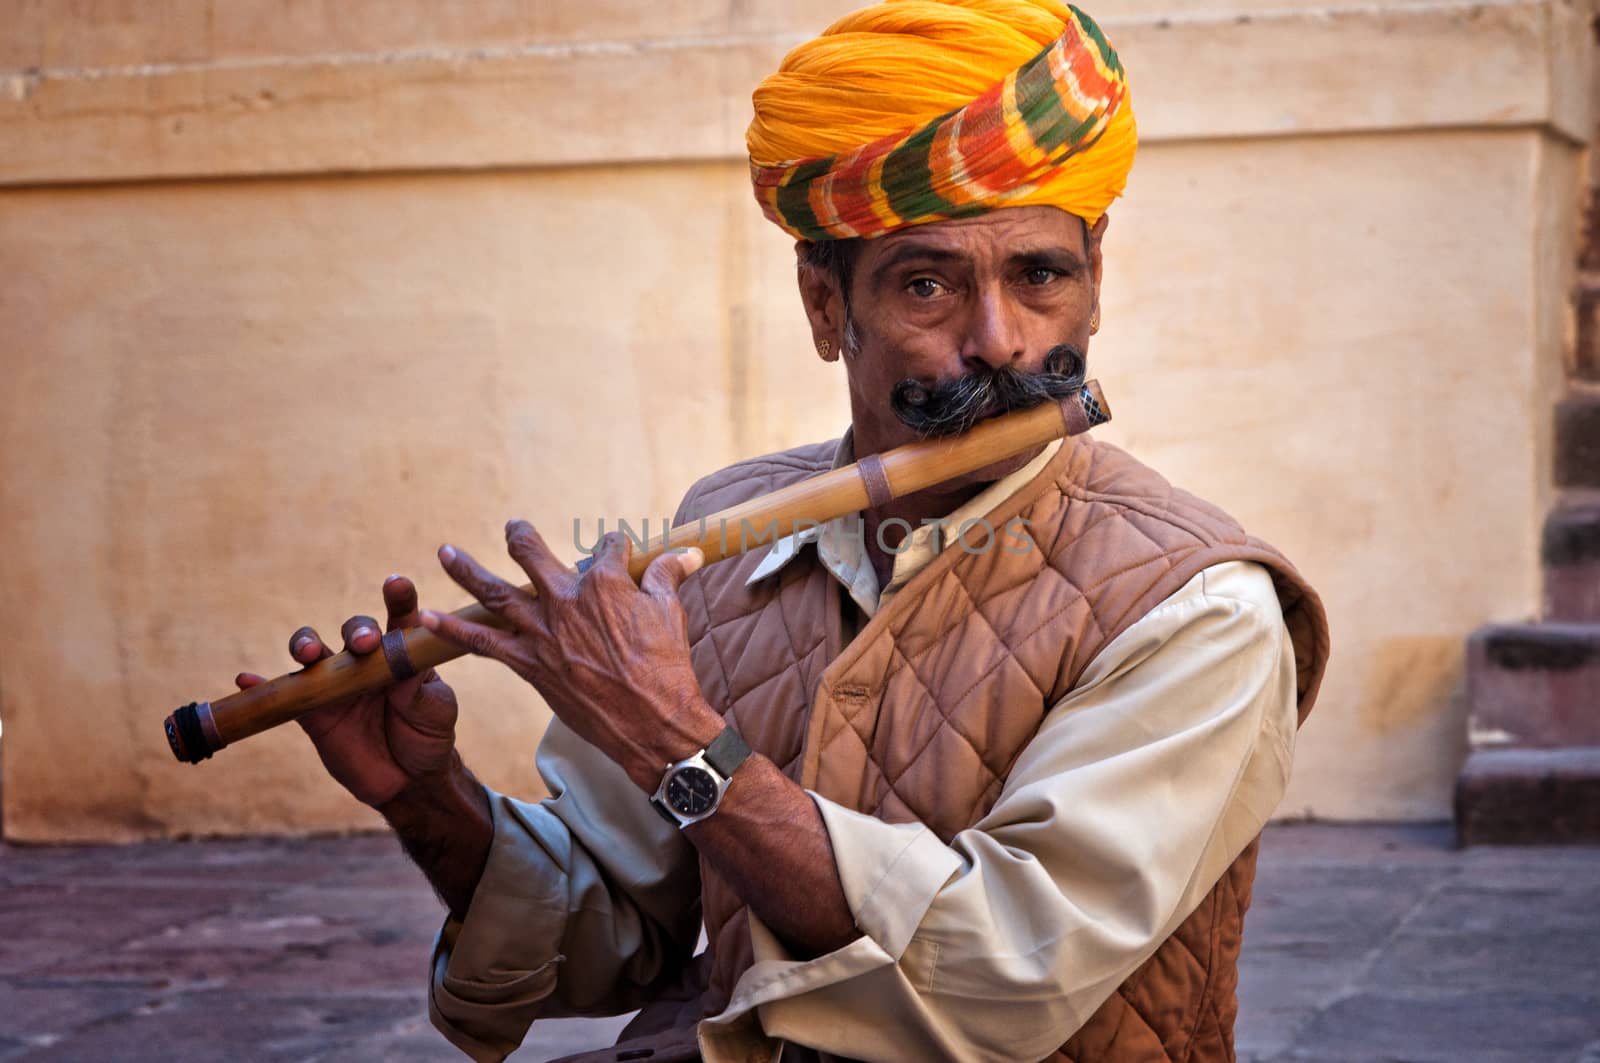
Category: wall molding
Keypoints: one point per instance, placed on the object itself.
(1294, 72)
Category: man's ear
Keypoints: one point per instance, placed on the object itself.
(824, 304)
(1094, 233)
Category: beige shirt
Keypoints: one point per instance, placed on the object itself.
(1139, 789)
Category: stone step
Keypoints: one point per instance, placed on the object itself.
(1577, 435)
(1529, 797)
(1571, 556)
(1534, 685)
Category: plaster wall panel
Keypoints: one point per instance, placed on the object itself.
(1329, 338)
(235, 408)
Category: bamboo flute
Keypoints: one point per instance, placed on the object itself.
(199, 729)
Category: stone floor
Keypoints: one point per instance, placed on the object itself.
(1365, 943)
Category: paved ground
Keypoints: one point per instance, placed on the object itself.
(1364, 944)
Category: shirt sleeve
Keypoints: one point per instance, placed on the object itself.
(1141, 786)
(588, 901)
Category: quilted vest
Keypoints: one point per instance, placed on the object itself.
(922, 714)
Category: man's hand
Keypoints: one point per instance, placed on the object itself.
(394, 749)
(610, 658)
(377, 744)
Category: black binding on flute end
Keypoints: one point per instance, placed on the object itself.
(185, 735)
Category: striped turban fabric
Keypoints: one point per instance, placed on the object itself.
(913, 111)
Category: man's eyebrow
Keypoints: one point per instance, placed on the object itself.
(1056, 257)
(911, 251)
(1063, 258)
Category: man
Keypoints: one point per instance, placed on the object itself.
(934, 798)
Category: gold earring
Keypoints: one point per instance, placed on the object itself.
(823, 347)
(1094, 321)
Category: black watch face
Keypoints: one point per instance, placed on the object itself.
(691, 791)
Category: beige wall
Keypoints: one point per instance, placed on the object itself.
(290, 293)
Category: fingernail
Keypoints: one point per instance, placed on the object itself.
(429, 618)
(447, 553)
(391, 578)
(361, 633)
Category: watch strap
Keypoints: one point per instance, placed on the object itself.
(726, 752)
(664, 812)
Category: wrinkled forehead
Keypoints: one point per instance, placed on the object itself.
(1000, 232)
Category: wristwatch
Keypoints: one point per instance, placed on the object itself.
(693, 787)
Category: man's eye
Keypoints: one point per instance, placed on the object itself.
(1041, 275)
(924, 288)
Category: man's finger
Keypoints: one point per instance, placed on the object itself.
(611, 556)
(360, 635)
(476, 639)
(307, 647)
(528, 549)
(667, 572)
(400, 599)
(500, 597)
(427, 708)
(246, 680)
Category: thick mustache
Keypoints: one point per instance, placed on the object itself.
(953, 406)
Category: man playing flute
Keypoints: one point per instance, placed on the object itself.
(978, 776)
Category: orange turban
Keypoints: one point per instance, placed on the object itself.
(913, 111)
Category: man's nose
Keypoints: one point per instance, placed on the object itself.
(994, 333)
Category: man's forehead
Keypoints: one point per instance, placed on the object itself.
(1011, 230)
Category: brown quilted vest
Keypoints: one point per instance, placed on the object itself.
(922, 714)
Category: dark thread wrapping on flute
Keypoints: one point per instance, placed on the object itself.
(1092, 408)
(190, 744)
(394, 652)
